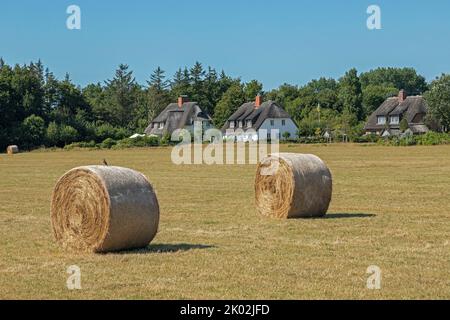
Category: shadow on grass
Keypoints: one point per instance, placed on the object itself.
(167, 248)
(347, 215)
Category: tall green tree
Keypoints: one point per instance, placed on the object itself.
(32, 131)
(121, 96)
(350, 94)
(230, 102)
(375, 95)
(181, 83)
(158, 80)
(152, 101)
(252, 89)
(399, 78)
(438, 99)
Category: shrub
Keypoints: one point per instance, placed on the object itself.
(33, 131)
(104, 132)
(312, 140)
(75, 145)
(52, 134)
(407, 141)
(108, 143)
(433, 139)
(137, 142)
(404, 125)
(286, 135)
(166, 139)
(68, 134)
(428, 139)
(370, 138)
(61, 135)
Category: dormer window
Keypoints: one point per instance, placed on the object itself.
(249, 123)
(161, 125)
(231, 124)
(240, 124)
(394, 120)
(381, 120)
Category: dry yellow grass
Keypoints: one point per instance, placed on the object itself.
(390, 208)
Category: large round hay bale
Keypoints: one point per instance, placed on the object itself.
(290, 185)
(12, 149)
(103, 209)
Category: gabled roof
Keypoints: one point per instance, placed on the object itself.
(176, 117)
(248, 111)
(411, 107)
(387, 107)
(408, 109)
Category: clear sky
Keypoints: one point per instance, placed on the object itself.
(275, 42)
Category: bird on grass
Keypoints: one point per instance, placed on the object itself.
(105, 163)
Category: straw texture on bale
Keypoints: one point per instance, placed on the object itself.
(12, 149)
(290, 185)
(103, 209)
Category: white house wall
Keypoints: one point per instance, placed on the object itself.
(288, 127)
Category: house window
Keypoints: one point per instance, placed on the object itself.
(272, 122)
(161, 125)
(155, 125)
(249, 123)
(240, 124)
(381, 120)
(283, 122)
(231, 124)
(395, 120)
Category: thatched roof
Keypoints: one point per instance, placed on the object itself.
(175, 117)
(419, 128)
(411, 108)
(249, 111)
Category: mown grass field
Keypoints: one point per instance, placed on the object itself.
(390, 208)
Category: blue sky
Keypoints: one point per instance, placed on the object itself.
(275, 42)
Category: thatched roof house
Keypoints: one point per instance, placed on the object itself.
(386, 119)
(258, 115)
(180, 115)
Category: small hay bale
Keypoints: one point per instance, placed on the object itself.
(290, 185)
(103, 209)
(12, 149)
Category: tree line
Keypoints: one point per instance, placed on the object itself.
(37, 109)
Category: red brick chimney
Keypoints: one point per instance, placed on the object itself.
(258, 101)
(182, 100)
(402, 96)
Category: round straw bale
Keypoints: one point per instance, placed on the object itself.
(290, 185)
(12, 149)
(102, 209)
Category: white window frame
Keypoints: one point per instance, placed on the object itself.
(381, 122)
(397, 118)
(283, 122)
(232, 123)
(249, 123)
(161, 125)
(272, 122)
(241, 124)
